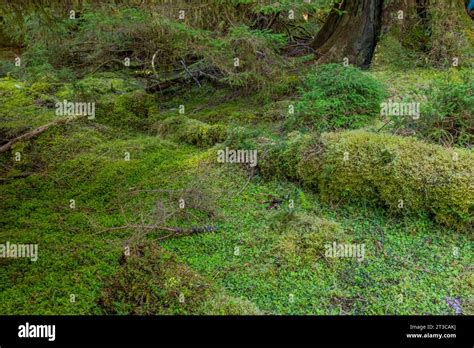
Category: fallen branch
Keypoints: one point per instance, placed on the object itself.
(189, 73)
(175, 231)
(175, 77)
(38, 131)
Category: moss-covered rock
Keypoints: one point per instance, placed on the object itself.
(191, 131)
(403, 174)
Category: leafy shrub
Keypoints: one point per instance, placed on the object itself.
(6, 67)
(403, 174)
(334, 96)
(447, 117)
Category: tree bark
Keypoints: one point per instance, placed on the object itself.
(352, 34)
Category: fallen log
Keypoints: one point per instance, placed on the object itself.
(401, 174)
(37, 131)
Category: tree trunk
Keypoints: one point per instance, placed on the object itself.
(352, 34)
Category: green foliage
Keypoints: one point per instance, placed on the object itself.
(281, 249)
(116, 33)
(6, 67)
(446, 113)
(86, 161)
(334, 97)
(258, 63)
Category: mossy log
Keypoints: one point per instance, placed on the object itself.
(402, 174)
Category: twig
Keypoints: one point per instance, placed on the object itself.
(175, 231)
(189, 73)
(386, 123)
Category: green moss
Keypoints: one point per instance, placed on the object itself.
(402, 174)
(42, 88)
(152, 281)
(105, 83)
(235, 112)
(14, 93)
(131, 110)
(285, 158)
(191, 131)
(279, 110)
(304, 239)
(23, 108)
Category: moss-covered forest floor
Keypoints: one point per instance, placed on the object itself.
(133, 164)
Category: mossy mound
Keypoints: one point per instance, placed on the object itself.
(191, 131)
(403, 174)
(119, 102)
(129, 110)
(305, 239)
(151, 281)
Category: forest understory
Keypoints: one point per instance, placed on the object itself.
(168, 165)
